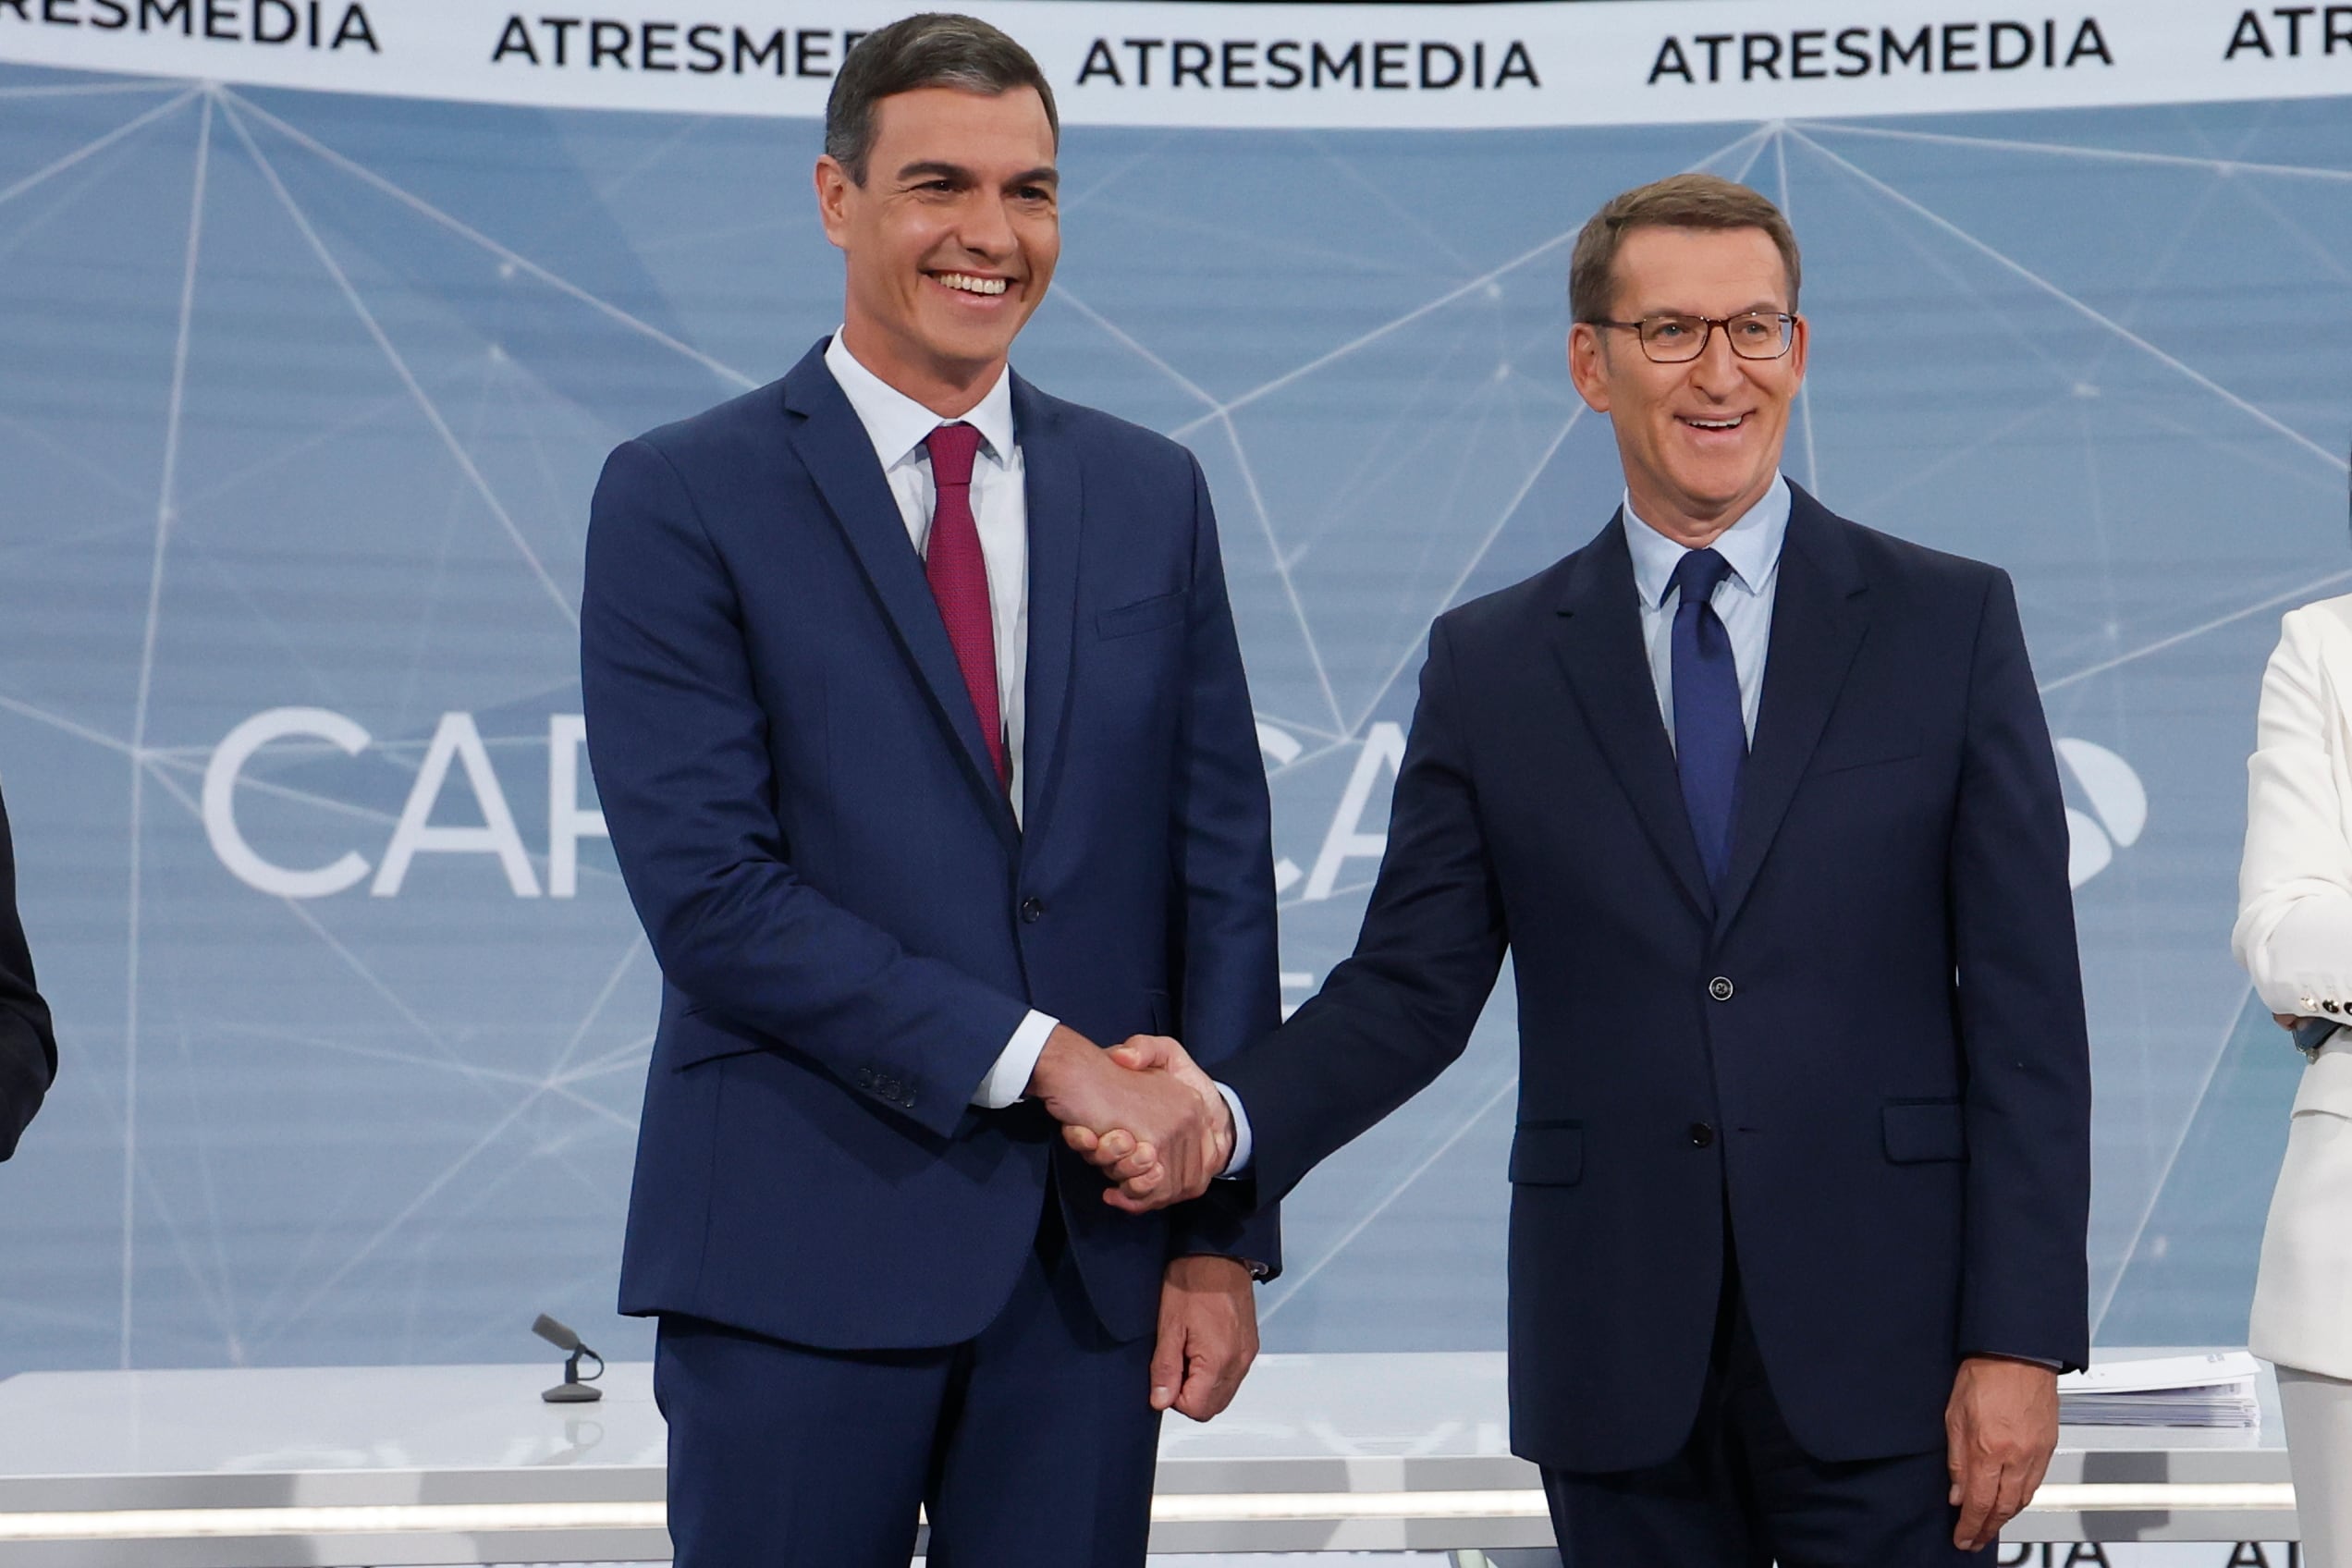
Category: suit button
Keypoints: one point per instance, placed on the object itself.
(1719, 988)
(1032, 911)
(1701, 1134)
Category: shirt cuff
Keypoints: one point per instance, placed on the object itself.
(1007, 1081)
(1239, 1163)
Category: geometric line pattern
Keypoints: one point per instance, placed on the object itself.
(1361, 344)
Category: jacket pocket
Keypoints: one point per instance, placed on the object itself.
(1866, 751)
(700, 1035)
(1548, 1154)
(1921, 1130)
(1144, 615)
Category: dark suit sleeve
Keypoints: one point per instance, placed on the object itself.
(28, 1044)
(2025, 1280)
(1223, 841)
(1401, 1008)
(679, 740)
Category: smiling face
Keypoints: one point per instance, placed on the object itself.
(950, 242)
(1700, 442)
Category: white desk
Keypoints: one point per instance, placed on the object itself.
(464, 1464)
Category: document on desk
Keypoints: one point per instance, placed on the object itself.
(2213, 1389)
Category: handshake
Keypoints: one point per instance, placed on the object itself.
(1142, 1113)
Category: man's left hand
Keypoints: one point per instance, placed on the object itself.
(1207, 1335)
(2001, 1427)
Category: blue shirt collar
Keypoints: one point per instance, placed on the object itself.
(1751, 546)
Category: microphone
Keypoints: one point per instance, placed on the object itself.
(574, 1389)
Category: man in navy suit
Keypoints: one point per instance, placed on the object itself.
(1763, 805)
(919, 723)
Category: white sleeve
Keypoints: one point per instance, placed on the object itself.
(1236, 1163)
(1007, 1081)
(2293, 931)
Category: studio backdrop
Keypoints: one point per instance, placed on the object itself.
(317, 318)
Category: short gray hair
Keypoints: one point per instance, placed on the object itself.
(1681, 201)
(936, 49)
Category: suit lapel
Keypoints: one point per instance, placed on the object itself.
(1817, 626)
(833, 445)
(1056, 507)
(1599, 646)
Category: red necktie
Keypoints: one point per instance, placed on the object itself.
(959, 578)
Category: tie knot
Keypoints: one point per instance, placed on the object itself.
(1699, 574)
(953, 448)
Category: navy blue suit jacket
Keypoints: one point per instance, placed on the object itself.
(1904, 1155)
(848, 923)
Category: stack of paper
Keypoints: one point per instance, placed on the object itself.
(2213, 1389)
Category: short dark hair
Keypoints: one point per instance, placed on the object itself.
(1681, 201)
(934, 49)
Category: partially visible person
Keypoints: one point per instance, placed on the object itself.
(27, 1046)
(2293, 935)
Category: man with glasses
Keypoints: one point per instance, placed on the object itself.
(1763, 805)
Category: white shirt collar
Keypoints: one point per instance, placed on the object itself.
(1751, 546)
(899, 425)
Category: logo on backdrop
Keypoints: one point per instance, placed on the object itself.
(2115, 798)
(661, 47)
(1287, 64)
(1816, 53)
(2116, 813)
(1157, 62)
(2118, 803)
(2282, 35)
(308, 24)
(457, 741)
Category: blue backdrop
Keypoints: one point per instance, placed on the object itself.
(302, 398)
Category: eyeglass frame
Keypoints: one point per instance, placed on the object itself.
(1788, 320)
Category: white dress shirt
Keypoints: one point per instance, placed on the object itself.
(1743, 600)
(898, 425)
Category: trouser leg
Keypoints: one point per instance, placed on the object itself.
(781, 1456)
(1742, 1493)
(1694, 1509)
(2318, 1452)
(1049, 1446)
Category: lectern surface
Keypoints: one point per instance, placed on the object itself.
(264, 1467)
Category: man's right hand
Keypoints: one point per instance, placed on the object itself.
(1131, 1162)
(1167, 1125)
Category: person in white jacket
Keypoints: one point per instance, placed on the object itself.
(2293, 934)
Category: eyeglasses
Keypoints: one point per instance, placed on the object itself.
(1673, 340)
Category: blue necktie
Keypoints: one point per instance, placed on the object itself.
(1710, 739)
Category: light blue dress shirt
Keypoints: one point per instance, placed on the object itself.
(1742, 602)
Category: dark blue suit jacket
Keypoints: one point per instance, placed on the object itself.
(848, 923)
(28, 1043)
(1868, 1049)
